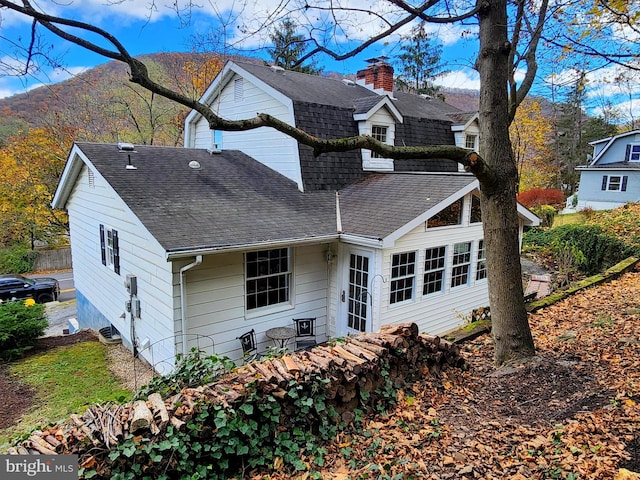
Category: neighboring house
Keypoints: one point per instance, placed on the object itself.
(242, 231)
(612, 178)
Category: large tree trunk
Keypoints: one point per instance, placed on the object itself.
(510, 326)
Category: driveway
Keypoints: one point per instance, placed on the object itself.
(61, 311)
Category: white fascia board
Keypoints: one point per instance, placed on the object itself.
(178, 254)
(613, 168)
(361, 240)
(72, 169)
(384, 102)
(390, 239)
(462, 128)
(529, 218)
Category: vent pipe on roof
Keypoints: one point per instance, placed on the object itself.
(276, 68)
(126, 147)
(129, 165)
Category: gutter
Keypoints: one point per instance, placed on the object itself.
(183, 300)
(177, 254)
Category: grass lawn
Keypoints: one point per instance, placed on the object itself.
(568, 219)
(66, 380)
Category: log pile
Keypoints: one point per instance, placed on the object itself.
(354, 367)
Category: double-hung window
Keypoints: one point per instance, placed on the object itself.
(379, 133)
(268, 278)
(614, 183)
(110, 248)
(434, 266)
(470, 141)
(461, 264)
(481, 263)
(403, 271)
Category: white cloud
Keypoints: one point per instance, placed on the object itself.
(467, 79)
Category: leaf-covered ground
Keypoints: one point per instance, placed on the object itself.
(573, 412)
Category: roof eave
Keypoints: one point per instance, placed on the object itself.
(178, 253)
(72, 168)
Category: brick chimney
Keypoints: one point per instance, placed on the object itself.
(378, 76)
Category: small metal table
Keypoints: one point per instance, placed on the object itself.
(281, 335)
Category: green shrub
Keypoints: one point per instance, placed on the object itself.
(17, 259)
(594, 250)
(546, 214)
(20, 326)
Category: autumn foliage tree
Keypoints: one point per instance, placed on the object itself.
(531, 137)
(32, 164)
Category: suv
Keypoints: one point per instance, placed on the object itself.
(17, 287)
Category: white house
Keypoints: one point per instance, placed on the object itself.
(612, 178)
(246, 231)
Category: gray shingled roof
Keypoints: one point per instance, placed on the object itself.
(231, 200)
(380, 204)
(324, 107)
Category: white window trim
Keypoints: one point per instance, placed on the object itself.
(277, 307)
(468, 263)
(414, 275)
(378, 164)
(631, 152)
(479, 260)
(444, 269)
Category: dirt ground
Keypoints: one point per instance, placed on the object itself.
(576, 403)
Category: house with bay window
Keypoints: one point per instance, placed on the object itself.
(245, 231)
(612, 177)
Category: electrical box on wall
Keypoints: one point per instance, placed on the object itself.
(135, 307)
(131, 284)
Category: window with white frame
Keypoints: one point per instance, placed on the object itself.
(452, 215)
(434, 268)
(633, 152)
(470, 141)
(378, 132)
(268, 278)
(461, 264)
(403, 271)
(476, 212)
(481, 261)
(614, 183)
(110, 248)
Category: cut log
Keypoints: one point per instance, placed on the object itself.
(375, 349)
(291, 364)
(177, 423)
(402, 329)
(41, 446)
(142, 417)
(360, 352)
(158, 407)
(350, 357)
(280, 366)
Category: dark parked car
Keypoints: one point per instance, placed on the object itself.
(17, 287)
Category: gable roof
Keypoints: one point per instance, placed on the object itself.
(609, 142)
(231, 200)
(385, 203)
(325, 107)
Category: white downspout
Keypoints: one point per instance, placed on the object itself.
(183, 301)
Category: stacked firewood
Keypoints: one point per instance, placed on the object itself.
(355, 366)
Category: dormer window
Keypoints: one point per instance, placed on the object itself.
(379, 133)
(633, 152)
(470, 142)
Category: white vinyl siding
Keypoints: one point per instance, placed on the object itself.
(435, 313)
(140, 255)
(216, 299)
(268, 146)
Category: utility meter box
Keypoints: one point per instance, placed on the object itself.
(131, 284)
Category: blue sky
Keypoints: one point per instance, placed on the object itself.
(160, 31)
